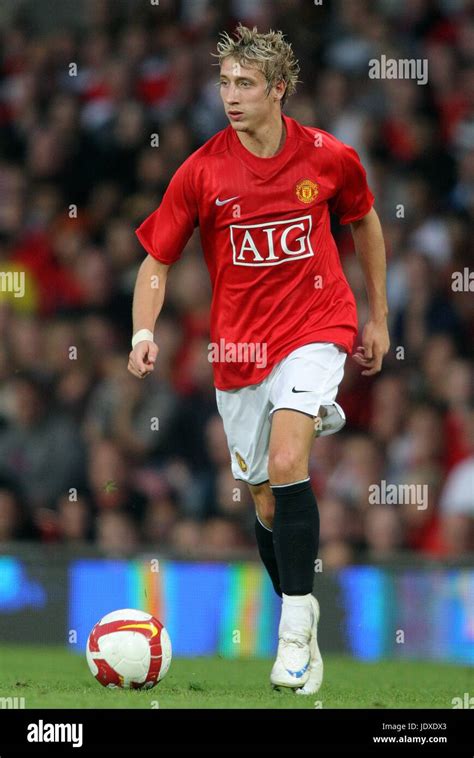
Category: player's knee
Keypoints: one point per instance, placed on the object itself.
(283, 466)
(266, 512)
(264, 503)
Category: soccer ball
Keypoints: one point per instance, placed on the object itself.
(129, 649)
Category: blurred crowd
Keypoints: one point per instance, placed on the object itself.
(96, 113)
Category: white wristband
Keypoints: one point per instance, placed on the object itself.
(141, 335)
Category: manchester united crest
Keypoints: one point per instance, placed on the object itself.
(241, 461)
(306, 191)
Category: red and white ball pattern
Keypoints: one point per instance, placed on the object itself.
(129, 649)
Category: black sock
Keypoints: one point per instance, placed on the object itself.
(267, 553)
(296, 536)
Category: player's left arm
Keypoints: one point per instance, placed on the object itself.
(370, 249)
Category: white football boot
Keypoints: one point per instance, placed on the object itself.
(292, 665)
(315, 678)
(330, 419)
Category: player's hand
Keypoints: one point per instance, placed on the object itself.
(142, 358)
(375, 344)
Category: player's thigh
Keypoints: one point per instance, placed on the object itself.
(291, 438)
(304, 381)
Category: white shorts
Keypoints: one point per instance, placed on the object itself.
(305, 380)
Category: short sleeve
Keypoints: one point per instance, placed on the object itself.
(354, 198)
(165, 232)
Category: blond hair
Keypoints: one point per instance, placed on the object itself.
(268, 53)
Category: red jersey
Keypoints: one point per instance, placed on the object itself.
(264, 223)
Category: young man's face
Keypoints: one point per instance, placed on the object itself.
(244, 94)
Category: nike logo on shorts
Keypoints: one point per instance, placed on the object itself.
(295, 390)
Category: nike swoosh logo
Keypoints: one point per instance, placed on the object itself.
(299, 674)
(295, 390)
(223, 202)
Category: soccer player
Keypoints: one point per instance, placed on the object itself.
(283, 317)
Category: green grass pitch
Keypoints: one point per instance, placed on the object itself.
(52, 677)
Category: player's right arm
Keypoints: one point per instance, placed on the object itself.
(164, 235)
(148, 298)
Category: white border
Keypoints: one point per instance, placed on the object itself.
(286, 259)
